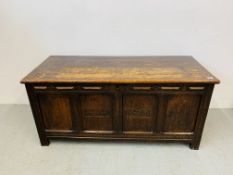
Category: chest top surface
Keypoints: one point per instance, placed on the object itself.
(130, 69)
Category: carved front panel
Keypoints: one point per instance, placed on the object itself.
(96, 111)
(181, 113)
(139, 113)
(56, 111)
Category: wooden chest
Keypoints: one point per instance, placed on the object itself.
(161, 98)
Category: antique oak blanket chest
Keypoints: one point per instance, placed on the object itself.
(159, 98)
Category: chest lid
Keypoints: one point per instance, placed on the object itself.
(119, 69)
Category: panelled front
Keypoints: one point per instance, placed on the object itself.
(122, 110)
(86, 112)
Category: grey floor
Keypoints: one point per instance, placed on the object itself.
(21, 153)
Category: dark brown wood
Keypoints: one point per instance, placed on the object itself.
(38, 118)
(181, 113)
(162, 98)
(97, 112)
(204, 106)
(58, 116)
(139, 113)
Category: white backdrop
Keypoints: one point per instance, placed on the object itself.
(31, 30)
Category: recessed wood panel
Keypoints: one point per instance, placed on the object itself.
(56, 111)
(181, 113)
(139, 113)
(96, 112)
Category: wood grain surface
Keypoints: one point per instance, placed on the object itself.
(131, 69)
